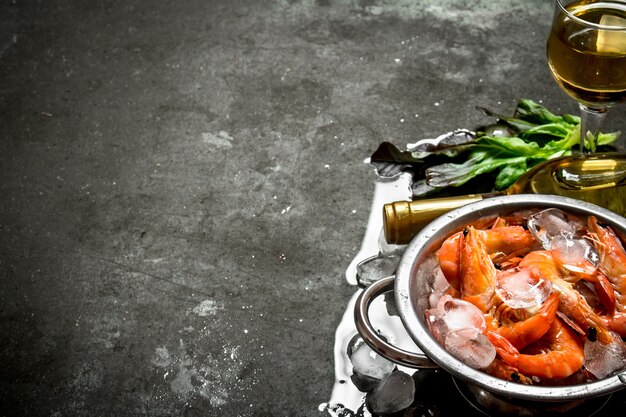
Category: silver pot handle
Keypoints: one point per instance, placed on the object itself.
(371, 337)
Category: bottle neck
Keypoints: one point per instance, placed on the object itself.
(402, 220)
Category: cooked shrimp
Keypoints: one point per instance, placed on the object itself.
(613, 265)
(507, 241)
(540, 306)
(559, 353)
(571, 303)
(523, 333)
(612, 259)
(477, 273)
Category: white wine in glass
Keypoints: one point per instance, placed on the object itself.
(587, 57)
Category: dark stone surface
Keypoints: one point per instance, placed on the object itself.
(182, 184)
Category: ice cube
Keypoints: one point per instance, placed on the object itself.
(602, 359)
(458, 325)
(550, 223)
(518, 288)
(460, 314)
(368, 363)
(375, 268)
(575, 254)
(436, 324)
(471, 347)
(394, 393)
(440, 286)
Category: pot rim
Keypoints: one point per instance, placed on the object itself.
(431, 238)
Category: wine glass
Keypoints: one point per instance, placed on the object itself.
(587, 57)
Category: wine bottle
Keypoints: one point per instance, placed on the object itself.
(596, 178)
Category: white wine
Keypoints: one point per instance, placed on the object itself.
(596, 178)
(589, 61)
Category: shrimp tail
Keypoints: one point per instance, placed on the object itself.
(505, 349)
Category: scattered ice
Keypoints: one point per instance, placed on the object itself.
(366, 362)
(458, 326)
(460, 314)
(553, 223)
(376, 268)
(471, 347)
(394, 393)
(603, 360)
(519, 289)
(436, 325)
(440, 286)
(562, 233)
(575, 254)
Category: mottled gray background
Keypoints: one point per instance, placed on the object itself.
(182, 184)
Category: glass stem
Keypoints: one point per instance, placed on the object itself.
(590, 122)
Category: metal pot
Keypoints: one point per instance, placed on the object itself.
(412, 287)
